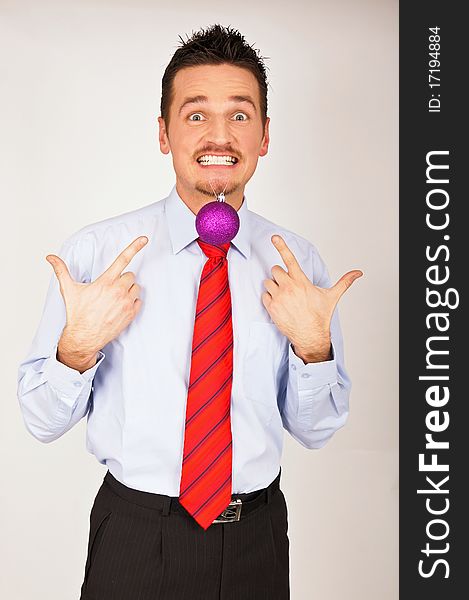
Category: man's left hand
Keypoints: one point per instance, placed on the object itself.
(301, 310)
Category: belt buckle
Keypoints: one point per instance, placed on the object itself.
(231, 513)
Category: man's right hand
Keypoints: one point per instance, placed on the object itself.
(96, 312)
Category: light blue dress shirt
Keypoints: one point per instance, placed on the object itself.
(135, 395)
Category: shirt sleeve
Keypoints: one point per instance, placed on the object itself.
(316, 395)
(52, 396)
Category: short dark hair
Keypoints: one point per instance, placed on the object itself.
(214, 45)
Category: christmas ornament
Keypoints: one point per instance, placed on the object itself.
(217, 222)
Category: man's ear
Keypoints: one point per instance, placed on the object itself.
(163, 137)
(265, 139)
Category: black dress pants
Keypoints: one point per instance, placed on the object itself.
(145, 546)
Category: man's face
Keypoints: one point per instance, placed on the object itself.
(215, 111)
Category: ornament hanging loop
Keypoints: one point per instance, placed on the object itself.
(221, 196)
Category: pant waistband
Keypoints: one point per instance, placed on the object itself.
(167, 504)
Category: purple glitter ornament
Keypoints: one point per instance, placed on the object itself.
(217, 222)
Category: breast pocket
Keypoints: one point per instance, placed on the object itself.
(262, 361)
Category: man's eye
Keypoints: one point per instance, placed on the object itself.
(197, 115)
(242, 115)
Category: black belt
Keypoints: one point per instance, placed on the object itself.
(239, 507)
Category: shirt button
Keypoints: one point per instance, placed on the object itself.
(293, 367)
(304, 374)
(76, 383)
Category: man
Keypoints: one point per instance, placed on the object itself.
(190, 366)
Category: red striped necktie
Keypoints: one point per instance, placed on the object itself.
(205, 489)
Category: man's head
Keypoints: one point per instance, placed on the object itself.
(214, 103)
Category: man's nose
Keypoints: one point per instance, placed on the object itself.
(219, 132)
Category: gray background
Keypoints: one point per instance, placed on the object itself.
(80, 91)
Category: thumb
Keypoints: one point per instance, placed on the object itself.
(60, 269)
(345, 282)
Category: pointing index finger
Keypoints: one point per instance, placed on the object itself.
(116, 268)
(289, 258)
(345, 282)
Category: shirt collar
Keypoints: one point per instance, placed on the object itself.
(181, 224)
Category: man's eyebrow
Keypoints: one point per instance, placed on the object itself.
(193, 100)
(201, 99)
(247, 99)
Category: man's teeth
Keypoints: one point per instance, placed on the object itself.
(208, 159)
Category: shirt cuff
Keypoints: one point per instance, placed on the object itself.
(66, 381)
(312, 375)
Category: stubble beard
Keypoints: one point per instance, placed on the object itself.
(219, 185)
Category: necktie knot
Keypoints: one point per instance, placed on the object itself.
(212, 251)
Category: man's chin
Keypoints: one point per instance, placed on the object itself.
(219, 185)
